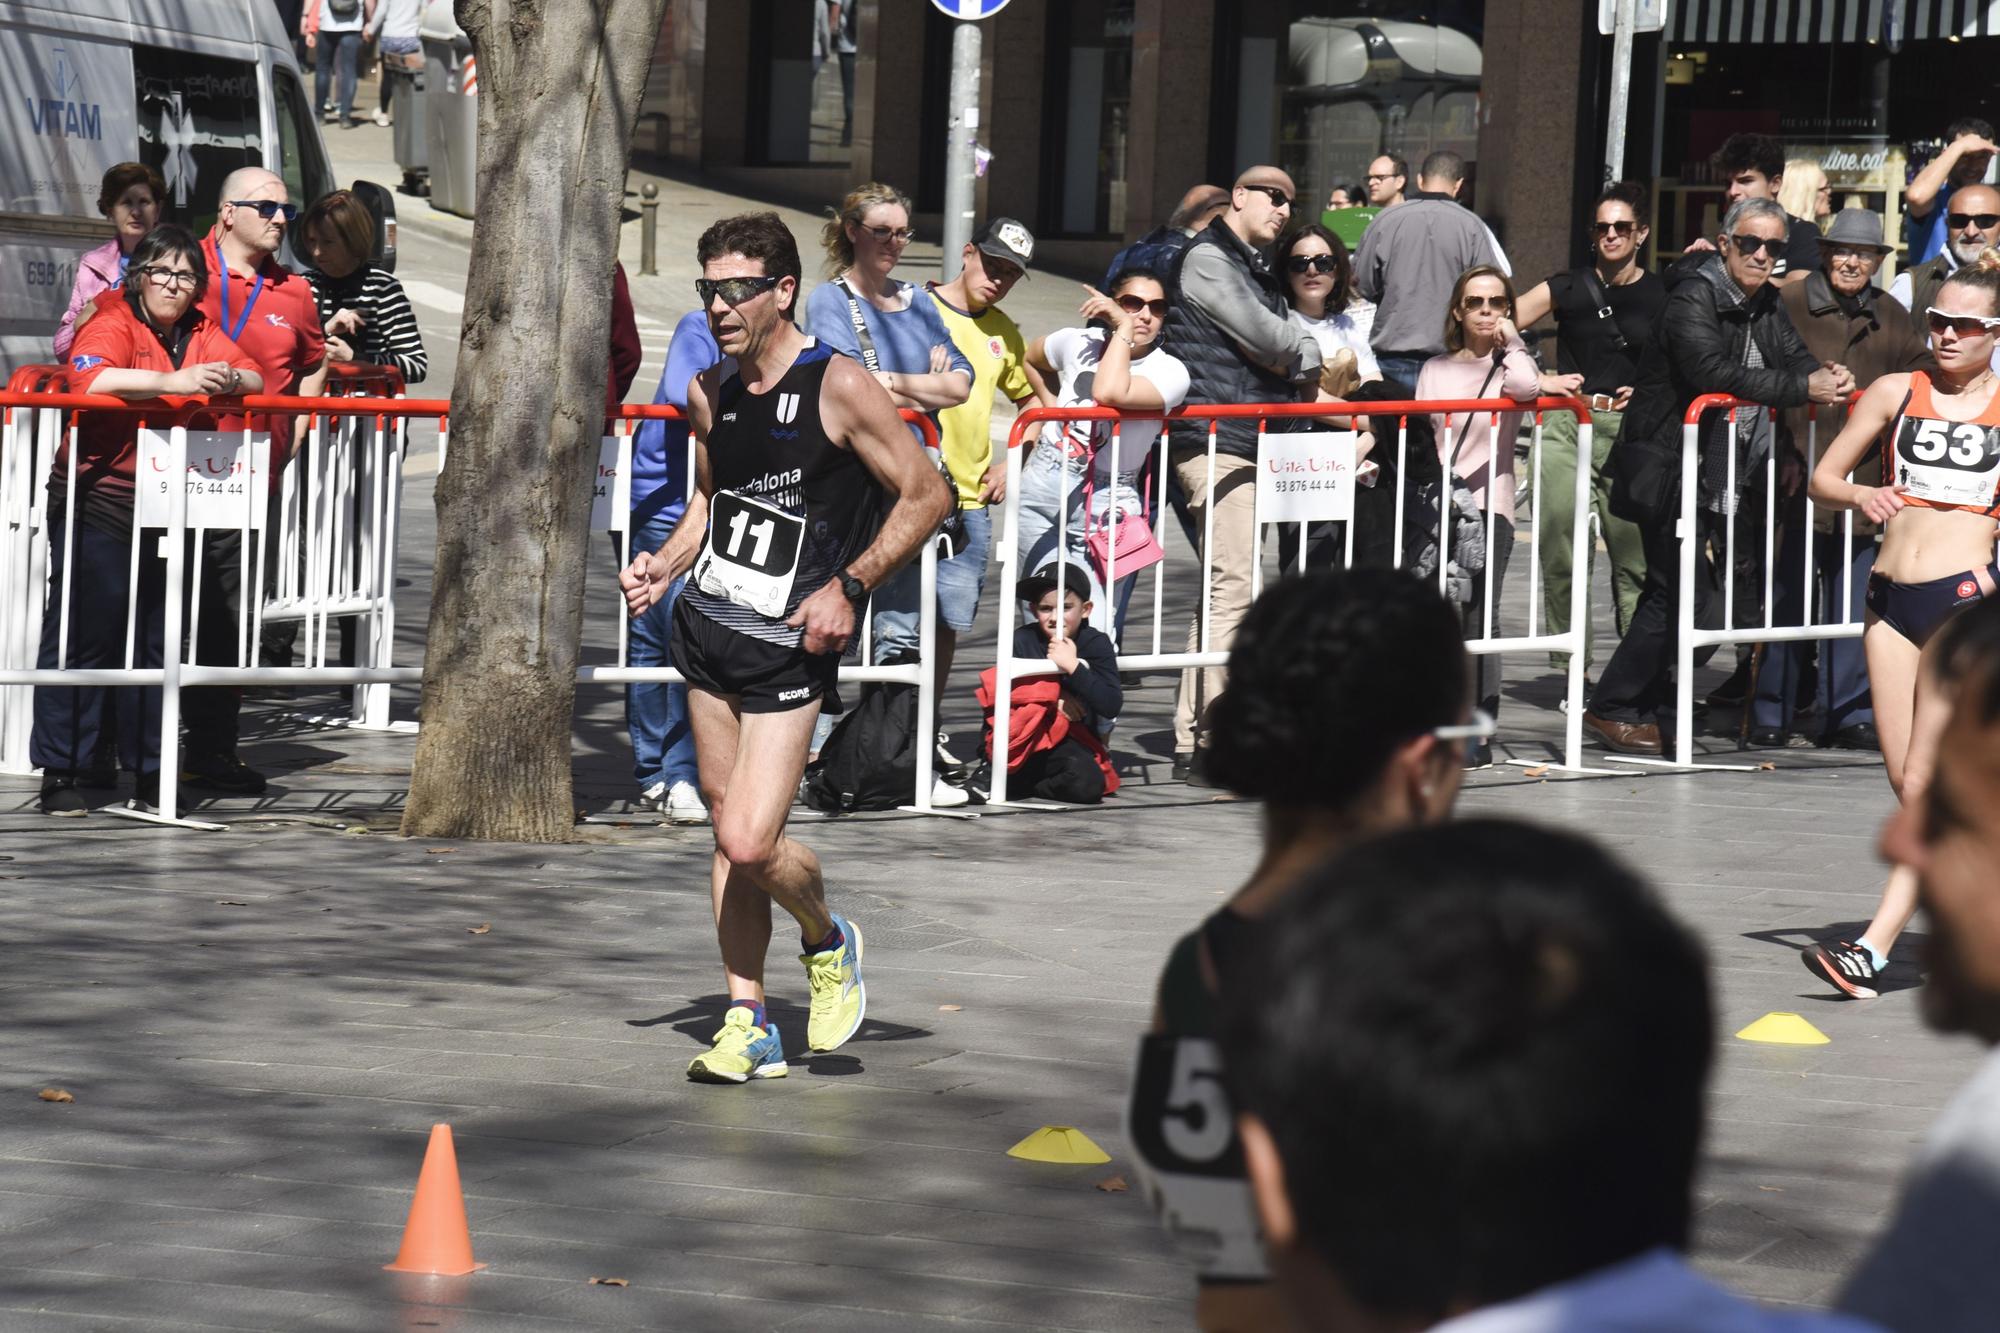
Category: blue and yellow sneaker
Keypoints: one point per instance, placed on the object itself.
(839, 1000)
(742, 1051)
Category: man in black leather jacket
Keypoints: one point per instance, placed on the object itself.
(1723, 331)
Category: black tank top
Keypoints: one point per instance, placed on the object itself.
(769, 451)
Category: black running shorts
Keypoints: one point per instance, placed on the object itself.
(762, 677)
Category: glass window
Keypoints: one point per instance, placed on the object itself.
(670, 112)
(301, 156)
(198, 121)
(1355, 85)
(805, 52)
(1093, 103)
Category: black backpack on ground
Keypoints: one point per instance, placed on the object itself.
(869, 762)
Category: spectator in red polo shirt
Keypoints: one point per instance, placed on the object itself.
(150, 340)
(269, 312)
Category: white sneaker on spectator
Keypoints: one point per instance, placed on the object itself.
(946, 760)
(684, 805)
(382, 118)
(944, 796)
(653, 797)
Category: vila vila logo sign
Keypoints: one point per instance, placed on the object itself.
(788, 408)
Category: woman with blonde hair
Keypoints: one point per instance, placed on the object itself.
(1806, 194)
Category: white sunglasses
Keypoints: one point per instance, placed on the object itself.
(1938, 316)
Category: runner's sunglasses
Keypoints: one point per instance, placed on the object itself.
(1965, 326)
(733, 291)
(267, 208)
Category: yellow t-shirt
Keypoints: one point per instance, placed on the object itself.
(992, 343)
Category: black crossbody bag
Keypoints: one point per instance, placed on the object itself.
(951, 533)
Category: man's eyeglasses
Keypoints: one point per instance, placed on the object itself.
(169, 278)
(1371, 177)
(890, 235)
(1965, 326)
(1132, 305)
(1312, 264)
(1750, 245)
(1624, 227)
(1983, 221)
(733, 291)
(1470, 303)
(1278, 198)
(267, 208)
(1478, 727)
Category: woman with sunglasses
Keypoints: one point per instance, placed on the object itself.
(1330, 774)
(1940, 440)
(1605, 315)
(1319, 288)
(131, 197)
(1112, 360)
(881, 321)
(151, 342)
(1484, 358)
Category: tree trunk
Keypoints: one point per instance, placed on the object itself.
(560, 82)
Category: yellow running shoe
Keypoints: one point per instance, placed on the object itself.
(742, 1051)
(839, 999)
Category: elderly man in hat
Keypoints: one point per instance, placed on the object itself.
(1844, 318)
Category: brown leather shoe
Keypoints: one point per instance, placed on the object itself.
(1624, 737)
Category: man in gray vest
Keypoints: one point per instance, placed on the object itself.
(1972, 219)
(1229, 326)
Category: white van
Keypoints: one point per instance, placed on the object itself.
(195, 88)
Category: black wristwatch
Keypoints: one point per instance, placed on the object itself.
(852, 588)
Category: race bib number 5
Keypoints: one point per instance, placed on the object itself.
(1948, 462)
(1183, 1133)
(752, 553)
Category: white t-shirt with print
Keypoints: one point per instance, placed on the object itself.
(1074, 353)
(1333, 332)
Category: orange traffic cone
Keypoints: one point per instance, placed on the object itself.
(436, 1239)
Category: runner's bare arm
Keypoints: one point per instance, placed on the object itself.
(859, 415)
(1829, 485)
(651, 573)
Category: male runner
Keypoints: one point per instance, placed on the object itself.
(796, 449)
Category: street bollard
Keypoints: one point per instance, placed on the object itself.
(649, 228)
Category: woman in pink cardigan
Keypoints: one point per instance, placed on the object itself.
(131, 197)
(1484, 358)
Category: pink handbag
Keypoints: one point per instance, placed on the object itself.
(1131, 536)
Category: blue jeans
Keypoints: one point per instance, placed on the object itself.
(959, 581)
(1843, 694)
(1402, 369)
(656, 715)
(342, 49)
(1045, 488)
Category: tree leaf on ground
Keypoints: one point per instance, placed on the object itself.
(950, 1008)
(482, 928)
(609, 1282)
(1112, 1184)
(1767, 767)
(56, 1095)
(1538, 771)
(439, 851)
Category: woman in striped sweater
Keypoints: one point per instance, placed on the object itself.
(366, 315)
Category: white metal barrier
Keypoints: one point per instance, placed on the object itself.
(1158, 657)
(1690, 638)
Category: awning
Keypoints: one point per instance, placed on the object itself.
(1821, 21)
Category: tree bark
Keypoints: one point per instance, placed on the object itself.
(560, 83)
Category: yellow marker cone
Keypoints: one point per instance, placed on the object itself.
(1059, 1143)
(1783, 1029)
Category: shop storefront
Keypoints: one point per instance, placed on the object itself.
(1862, 88)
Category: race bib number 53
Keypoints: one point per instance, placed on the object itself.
(752, 553)
(1948, 462)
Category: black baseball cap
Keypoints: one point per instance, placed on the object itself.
(1005, 238)
(1032, 588)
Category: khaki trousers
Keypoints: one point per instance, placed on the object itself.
(1233, 499)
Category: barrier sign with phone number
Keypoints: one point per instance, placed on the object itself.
(228, 480)
(1307, 477)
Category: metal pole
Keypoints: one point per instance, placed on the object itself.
(649, 228)
(1621, 89)
(958, 163)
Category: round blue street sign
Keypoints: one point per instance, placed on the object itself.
(970, 9)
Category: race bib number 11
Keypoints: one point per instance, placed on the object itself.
(752, 553)
(1948, 462)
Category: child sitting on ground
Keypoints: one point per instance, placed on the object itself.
(1055, 744)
